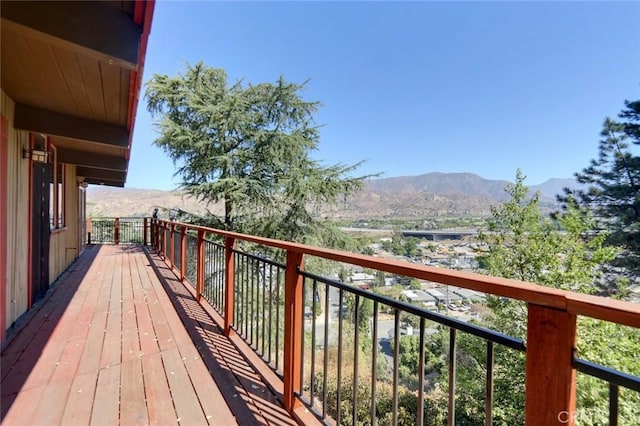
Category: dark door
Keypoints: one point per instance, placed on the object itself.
(42, 174)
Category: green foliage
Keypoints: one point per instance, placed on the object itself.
(365, 311)
(249, 147)
(394, 291)
(434, 404)
(402, 246)
(367, 251)
(616, 347)
(613, 182)
(409, 361)
(414, 284)
(524, 245)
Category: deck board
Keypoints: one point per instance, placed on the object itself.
(80, 401)
(119, 340)
(159, 402)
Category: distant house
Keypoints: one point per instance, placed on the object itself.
(468, 295)
(361, 277)
(444, 295)
(420, 297)
(439, 296)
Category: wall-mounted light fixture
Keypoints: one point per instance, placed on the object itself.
(36, 155)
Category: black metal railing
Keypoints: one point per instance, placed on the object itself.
(258, 298)
(327, 403)
(191, 259)
(214, 267)
(126, 230)
(615, 380)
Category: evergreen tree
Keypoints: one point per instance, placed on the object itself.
(524, 245)
(249, 147)
(613, 182)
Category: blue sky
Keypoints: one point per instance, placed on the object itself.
(417, 87)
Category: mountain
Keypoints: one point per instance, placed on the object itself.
(465, 184)
(427, 195)
(444, 184)
(106, 201)
(555, 186)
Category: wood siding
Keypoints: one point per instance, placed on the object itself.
(63, 249)
(17, 218)
(4, 143)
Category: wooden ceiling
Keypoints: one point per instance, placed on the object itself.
(74, 70)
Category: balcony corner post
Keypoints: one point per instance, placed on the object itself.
(293, 320)
(229, 288)
(200, 265)
(550, 381)
(145, 230)
(116, 231)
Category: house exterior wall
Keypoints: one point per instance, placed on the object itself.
(4, 144)
(16, 217)
(65, 244)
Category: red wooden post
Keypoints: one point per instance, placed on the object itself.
(229, 245)
(145, 228)
(293, 320)
(116, 231)
(550, 381)
(200, 265)
(183, 252)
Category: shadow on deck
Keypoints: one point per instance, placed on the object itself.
(120, 340)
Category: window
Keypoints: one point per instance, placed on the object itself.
(57, 215)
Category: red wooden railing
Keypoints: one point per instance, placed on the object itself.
(551, 329)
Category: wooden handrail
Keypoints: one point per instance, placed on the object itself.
(621, 312)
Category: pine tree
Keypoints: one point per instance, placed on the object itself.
(613, 183)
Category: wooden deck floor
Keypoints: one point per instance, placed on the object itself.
(113, 343)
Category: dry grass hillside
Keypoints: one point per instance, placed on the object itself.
(367, 204)
(428, 195)
(104, 201)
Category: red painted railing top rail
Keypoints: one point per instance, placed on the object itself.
(617, 311)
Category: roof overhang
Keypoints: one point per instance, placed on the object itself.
(74, 70)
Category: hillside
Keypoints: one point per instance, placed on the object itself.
(121, 202)
(442, 183)
(428, 195)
